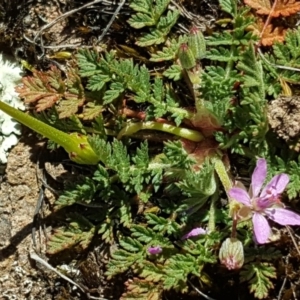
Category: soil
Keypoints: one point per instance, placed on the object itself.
(19, 279)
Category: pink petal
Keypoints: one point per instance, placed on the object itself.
(283, 216)
(276, 186)
(240, 195)
(258, 176)
(194, 232)
(261, 227)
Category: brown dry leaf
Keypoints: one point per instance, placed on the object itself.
(262, 7)
(270, 34)
(283, 7)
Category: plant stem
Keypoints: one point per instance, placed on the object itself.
(75, 144)
(57, 136)
(212, 211)
(185, 133)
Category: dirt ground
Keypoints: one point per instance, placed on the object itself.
(19, 191)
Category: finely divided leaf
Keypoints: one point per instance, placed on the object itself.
(43, 89)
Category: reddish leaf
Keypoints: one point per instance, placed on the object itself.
(141, 289)
(282, 8)
(270, 34)
(262, 7)
(45, 88)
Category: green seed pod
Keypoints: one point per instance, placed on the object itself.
(83, 153)
(186, 56)
(196, 42)
(232, 254)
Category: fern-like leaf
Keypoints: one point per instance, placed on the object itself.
(44, 89)
(140, 289)
(79, 232)
(258, 275)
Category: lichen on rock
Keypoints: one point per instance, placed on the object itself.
(10, 77)
(284, 116)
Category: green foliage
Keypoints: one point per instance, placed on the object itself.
(140, 289)
(161, 224)
(259, 276)
(51, 117)
(238, 102)
(198, 187)
(176, 156)
(287, 55)
(217, 89)
(150, 13)
(169, 51)
(170, 270)
(79, 232)
(229, 6)
(120, 76)
(178, 268)
(174, 72)
(250, 116)
(82, 192)
(78, 192)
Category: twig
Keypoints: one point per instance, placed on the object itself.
(281, 289)
(51, 46)
(293, 239)
(36, 213)
(63, 16)
(38, 259)
(268, 19)
(111, 20)
(284, 281)
(199, 292)
(274, 65)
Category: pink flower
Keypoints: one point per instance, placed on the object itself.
(266, 203)
(194, 232)
(154, 250)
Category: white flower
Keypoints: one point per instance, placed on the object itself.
(10, 77)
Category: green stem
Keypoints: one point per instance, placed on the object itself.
(185, 133)
(75, 144)
(212, 211)
(38, 126)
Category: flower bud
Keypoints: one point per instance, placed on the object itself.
(196, 42)
(186, 56)
(232, 254)
(194, 232)
(154, 250)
